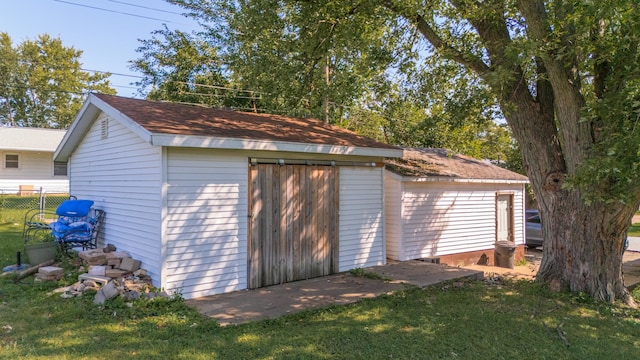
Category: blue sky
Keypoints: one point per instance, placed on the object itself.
(108, 38)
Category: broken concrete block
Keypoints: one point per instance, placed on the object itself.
(130, 265)
(110, 290)
(115, 273)
(114, 263)
(140, 272)
(93, 257)
(99, 299)
(97, 270)
(109, 248)
(89, 283)
(98, 279)
(50, 270)
(49, 277)
(60, 290)
(131, 295)
(141, 287)
(120, 254)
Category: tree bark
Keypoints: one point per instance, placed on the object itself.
(583, 247)
(583, 240)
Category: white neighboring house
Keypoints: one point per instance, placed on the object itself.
(214, 201)
(27, 161)
(451, 207)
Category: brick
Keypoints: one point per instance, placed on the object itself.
(92, 256)
(114, 263)
(49, 277)
(50, 270)
(130, 265)
(115, 273)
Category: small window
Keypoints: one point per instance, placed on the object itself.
(11, 161)
(59, 168)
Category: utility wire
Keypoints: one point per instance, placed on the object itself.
(219, 96)
(144, 7)
(114, 11)
(113, 73)
(217, 87)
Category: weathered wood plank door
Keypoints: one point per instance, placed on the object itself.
(293, 223)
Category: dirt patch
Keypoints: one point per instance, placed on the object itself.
(527, 270)
(630, 268)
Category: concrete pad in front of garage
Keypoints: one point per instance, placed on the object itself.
(275, 301)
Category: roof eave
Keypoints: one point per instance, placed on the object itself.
(461, 180)
(83, 122)
(15, 148)
(79, 127)
(208, 142)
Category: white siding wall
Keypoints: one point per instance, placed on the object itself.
(393, 214)
(361, 218)
(123, 175)
(35, 168)
(448, 218)
(206, 222)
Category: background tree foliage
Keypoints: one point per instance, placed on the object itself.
(42, 83)
(181, 68)
(347, 63)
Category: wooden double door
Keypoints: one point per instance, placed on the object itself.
(293, 223)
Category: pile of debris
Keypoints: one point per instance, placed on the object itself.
(109, 273)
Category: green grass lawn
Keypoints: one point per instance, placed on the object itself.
(448, 321)
(634, 230)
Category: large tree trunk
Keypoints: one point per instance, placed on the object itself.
(584, 241)
(583, 247)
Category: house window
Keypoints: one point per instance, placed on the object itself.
(11, 161)
(59, 168)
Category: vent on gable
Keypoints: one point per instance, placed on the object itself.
(104, 128)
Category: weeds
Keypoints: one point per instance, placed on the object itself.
(368, 274)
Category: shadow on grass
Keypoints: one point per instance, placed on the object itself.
(465, 320)
(451, 320)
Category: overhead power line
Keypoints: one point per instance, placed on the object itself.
(114, 11)
(144, 7)
(113, 73)
(218, 87)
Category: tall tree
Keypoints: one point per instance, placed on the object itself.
(178, 67)
(307, 62)
(42, 83)
(564, 73)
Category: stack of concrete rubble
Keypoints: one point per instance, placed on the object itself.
(111, 273)
(49, 273)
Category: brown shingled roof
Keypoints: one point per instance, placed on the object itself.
(425, 162)
(180, 119)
